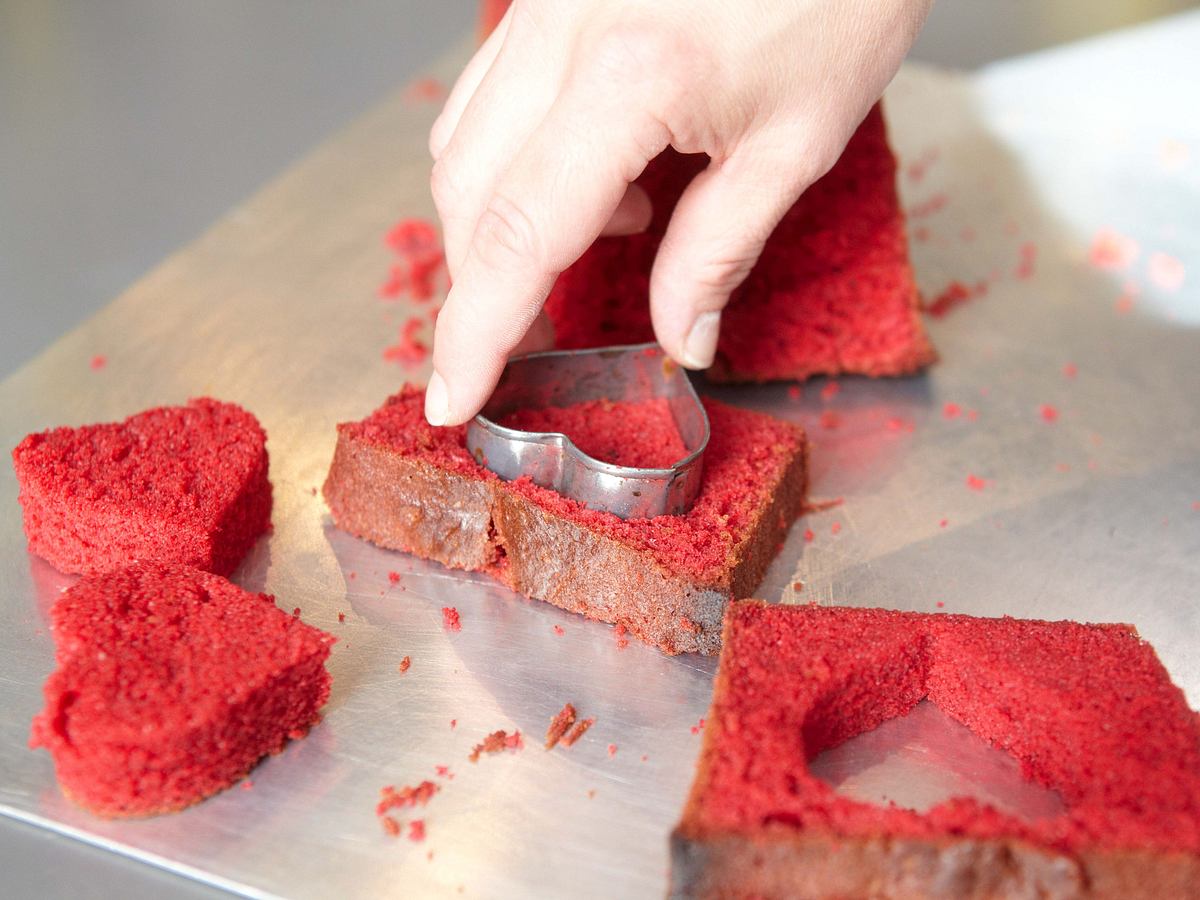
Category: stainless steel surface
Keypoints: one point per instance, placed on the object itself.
(1092, 516)
(565, 377)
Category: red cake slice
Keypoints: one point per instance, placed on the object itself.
(403, 484)
(833, 291)
(1088, 710)
(171, 684)
(177, 484)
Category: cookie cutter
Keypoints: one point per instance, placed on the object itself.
(564, 377)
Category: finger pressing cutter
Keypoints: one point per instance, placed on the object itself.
(561, 378)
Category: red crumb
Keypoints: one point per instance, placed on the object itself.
(688, 625)
(414, 236)
(797, 586)
(1112, 251)
(921, 234)
(496, 742)
(975, 483)
(612, 750)
(591, 793)
(404, 664)
(99, 361)
(940, 604)
(698, 727)
(391, 798)
(916, 169)
(972, 415)
(1028, 257)
(830, 390)
(1049, 413)
(427, 89)
(934, 204)
(247, 785)
(341, 617)
(1124, 303)
(943, 523)
(951, 411)
(454, 723)
(560, 725)
(835, 527)
(558, 630)
(645, 758)
(809, 536)
(794, 392)
(955, 294)
(394, 577)
(416, 830)
(450, 619)
(625, 433)
(1070, 370)
(394, 285)
(898, 424)
(620, 631)
(1165, 272)
(830, 419)
(581, 727)
(444, 772)
(390, 825)
(408, 349)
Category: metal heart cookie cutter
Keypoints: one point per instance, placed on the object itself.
(560, 378)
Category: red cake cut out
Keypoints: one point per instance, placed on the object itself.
(171, 683)
(176, 484)
(641, 433)
(1088, 711)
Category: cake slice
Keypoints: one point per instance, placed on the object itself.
(833, 291)
(1088, 710)
(405, 485)
(178, 484)
(171, 684)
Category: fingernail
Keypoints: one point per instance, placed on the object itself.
(437, 401)
(700, 345)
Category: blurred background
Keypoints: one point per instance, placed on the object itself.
(128, 126)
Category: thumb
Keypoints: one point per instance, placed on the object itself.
(715, 236)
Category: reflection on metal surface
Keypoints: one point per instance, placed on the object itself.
(1089, 516)
(627, 374)
(925, 758)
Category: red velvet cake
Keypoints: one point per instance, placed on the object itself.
(833, 291)
(178, 484)
(171, 684)
(1088, 710)
(403, 484)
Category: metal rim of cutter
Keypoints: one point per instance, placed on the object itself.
(564, 377)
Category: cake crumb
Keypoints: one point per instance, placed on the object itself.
(496, 742)
(1070, 370)
(444, 772)
(98, 362)
(975, 483)
(830, 420)
(591, 793)
(797, 586)
(560, 725)
(896, 423)
(612, 750)
(581, 727)
(394, 577)
(951, 411)
(390, 825)
(794, 392)
(558, 630)
(955, 294)
(835, 528)
(341, 617)
(940, 604)
(425, 89)
(830, 390)
(943, 523)
(451, 619)
(698, 727)
(1111, 251)
(392, 798)
(1049, 413)
(404, 664)
(296, 612)
(809, 536)
(416, 830)
(453, 724)
(247, 784)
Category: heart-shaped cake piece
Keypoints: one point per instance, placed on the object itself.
(171, 684)
(176, 484)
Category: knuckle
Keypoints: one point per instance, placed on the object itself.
(643, 51)
(506, 237)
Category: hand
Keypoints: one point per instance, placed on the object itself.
(565, 104)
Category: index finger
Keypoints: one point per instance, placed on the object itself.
(545, 211)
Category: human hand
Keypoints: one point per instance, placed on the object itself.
(565, 104)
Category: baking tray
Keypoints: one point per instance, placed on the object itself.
(983, 506)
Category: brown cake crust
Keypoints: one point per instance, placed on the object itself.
(462, 522)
